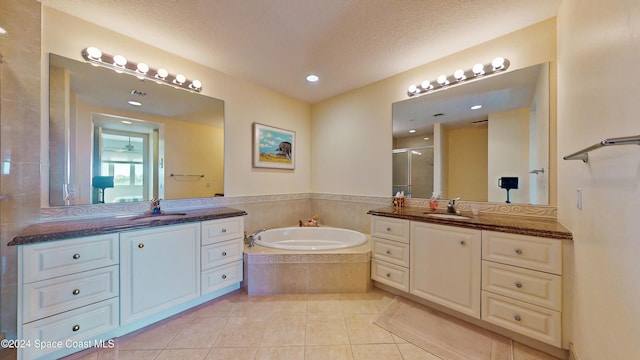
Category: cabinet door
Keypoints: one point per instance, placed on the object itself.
(159, 269)
(445, 266)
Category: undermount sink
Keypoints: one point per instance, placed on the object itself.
(155, 217)
(448, 216)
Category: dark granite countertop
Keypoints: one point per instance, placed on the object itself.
(515, 224)
(48, 231)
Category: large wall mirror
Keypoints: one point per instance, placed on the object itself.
(444, 143)
(114, 138)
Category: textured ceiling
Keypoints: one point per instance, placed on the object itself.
(276, 43)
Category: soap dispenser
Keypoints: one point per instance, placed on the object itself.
(433, 203)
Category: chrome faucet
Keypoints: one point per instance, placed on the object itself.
(251, 239)
(451, 206)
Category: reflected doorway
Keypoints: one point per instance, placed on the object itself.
(124, 157)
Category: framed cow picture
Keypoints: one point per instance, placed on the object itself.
(273, 147)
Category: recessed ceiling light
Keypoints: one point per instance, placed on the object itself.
(312, 78)
(134, 103)
(2, 31)
(476, 107)
(412, 131)
(426, 138)
(127, 122)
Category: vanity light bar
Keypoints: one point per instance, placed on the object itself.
(498, 64)
(142, 71)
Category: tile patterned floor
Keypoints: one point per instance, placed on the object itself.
(287, 327)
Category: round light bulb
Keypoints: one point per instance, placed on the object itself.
(498, 63)
(426, 85)
(196, 84)
(412, 89)
(459, 75)
(143, 68)
(162, 73)
(94, 53)
(442, 80)
(180, 79)
(478, 69)
(119, 60)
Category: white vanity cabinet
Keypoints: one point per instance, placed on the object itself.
(68, 294)
(159, 269)
(390, 252)
(518, 282)
(445, 266)
(221, 253)
(522, 284)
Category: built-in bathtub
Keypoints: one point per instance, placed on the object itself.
(310, 238)
(307, 260)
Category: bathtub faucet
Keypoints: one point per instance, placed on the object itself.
(251, 239)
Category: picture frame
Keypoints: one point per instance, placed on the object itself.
(273, 147)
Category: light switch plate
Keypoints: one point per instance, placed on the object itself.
(579, 198)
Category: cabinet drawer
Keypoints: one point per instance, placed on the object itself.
(390, 251)
(221, 253)
(525, 251)
(221, 230)
(538, 288)
(221, 276)
(390, 228)
(81, 324)
(390, 274)
(50, 297)
(51, 259)
(530, 320)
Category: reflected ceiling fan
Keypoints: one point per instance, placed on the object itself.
(127, 148)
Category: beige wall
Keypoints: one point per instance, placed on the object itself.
(509, 154)
(351, 133)
(599, 87)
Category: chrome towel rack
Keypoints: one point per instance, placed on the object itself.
(187, 175)
(584, 153)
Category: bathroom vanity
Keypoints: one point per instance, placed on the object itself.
(84, 282)
(498, 271)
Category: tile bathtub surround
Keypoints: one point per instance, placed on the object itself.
(268, 274)
(309, 327)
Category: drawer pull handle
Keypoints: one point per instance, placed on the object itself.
(224, 230)
(388, 275)
(462, 242)
(518, 284)
(140, 246)
(519, 251)
(224, 253)
(517, 317)
(76, 256)
(388, 252)
(76, 292)
(75, 327)
(224, 276)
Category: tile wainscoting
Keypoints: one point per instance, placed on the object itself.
(282, 210)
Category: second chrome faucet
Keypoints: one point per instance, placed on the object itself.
(451, 206)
